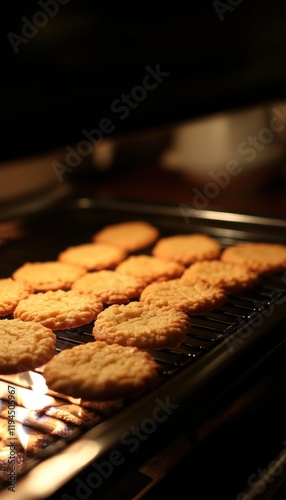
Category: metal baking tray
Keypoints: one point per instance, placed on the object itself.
(222, 348)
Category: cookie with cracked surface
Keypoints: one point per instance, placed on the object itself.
(98, 371)
(261, 257)
(150, 268)
(11, 292)
(142, 325)
(109, 286)
(50, 275)
(233, 278)
(192, 298)
(130, 235)
(59, 309)
(187, 248)
(93, 256)
(24, 345)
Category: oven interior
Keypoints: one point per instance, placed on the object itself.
(64, 443)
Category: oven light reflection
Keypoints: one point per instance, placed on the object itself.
(36, 398)
(32, 391)
(22, 435)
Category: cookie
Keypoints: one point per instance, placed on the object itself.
(98, 371)
(93, 256)
(187, 248)
(192, 298)
(11, 293)
(233, 278)
(24, 345)
(150, 268)
(142, 325)
(130, 236)
(261, 257)
(59, 309)
(44, 276)
(110, 287)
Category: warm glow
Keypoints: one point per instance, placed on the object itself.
(22, 434)
(32, 391)
(36, 397)
(38, 384)
(31, 397)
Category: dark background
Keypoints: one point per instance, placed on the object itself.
(66, 76)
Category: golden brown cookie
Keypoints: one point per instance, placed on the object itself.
(11, 293)
(142, 325)
(51, 275)
(24, 345)
(193, 298)
(98, 371)
(130, 236)
(150, 268)
(59, 309)
(261, 257)
(187, 248)
(93, 256)
(109, 286)
(233, 278)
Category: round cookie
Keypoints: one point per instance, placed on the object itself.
(59, 309)
(261, 257)
(11, 293)
(233, 278)
(187, 248)
(93, 256)
(130, 236)
(24, 345)
(150, 268)
(192, 298)
(98, 371)
(109, 286)
(51, 275)
(142, 325)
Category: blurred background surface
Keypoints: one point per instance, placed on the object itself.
(101, 96)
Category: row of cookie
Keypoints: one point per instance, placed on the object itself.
(60, 309)
(44, 276)
(203, 285)
(237, 269)
(138, 311)
(160, 319)
(168, 260)
(234, 269)
(75, 266)
(95, 371)
(195, 289)
(189, 248)
(180, 249)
